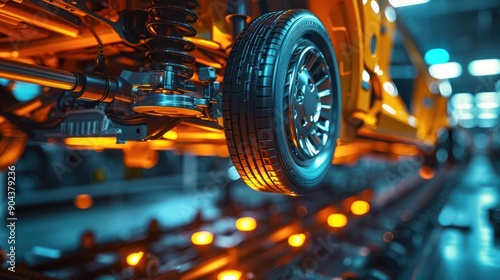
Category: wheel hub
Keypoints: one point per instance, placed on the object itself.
(310, 103)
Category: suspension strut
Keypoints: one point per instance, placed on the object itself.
(170, 64)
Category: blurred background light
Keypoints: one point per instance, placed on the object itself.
(134, 258)
(46, 252)
(437, 56)
(23, 91)
(83, 201)
(171, 135)
(484, 67)
(445, 88)
(246, 224)
(487, 109)
(360, 207)
(487, 100)
(202, 238)
(426, 172)
(447, 70)
(337, 220)
(229, 275)
(403, 3)
(462, 109)
(297, 240)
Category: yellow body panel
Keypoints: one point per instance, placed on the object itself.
(362, 33)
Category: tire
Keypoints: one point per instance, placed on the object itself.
(275, 102)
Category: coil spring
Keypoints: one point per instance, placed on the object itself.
(168, 23)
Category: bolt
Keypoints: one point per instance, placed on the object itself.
(304, 121)
(312, 86)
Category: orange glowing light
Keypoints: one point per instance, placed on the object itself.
(134, 258)
(337, 220)
(12, 54)
(203, 136)
(170, 135)
(83, 201)
(360, 207)
(297, 240)
(202, 238)
(229, 275)
(426, 172)
(90, 141)
(246, 224)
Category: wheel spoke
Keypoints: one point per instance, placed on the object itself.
(321, 127)
(312, 61)
(324, 93)
(310, 147)
(322, 80)
(315, 68)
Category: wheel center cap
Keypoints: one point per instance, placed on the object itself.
(307, 97)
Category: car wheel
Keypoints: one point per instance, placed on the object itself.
(282, 102)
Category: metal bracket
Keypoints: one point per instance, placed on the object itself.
(93, 123)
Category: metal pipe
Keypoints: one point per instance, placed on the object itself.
(88, 86)
(39, 18)
(239, 13)
(59, 43)
(40, 75)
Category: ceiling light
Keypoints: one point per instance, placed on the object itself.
(445, 88)
(484, 67)
(436, 56)
(403, 3)
(487, 100)
(444, 71)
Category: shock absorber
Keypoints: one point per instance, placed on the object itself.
(170, 63)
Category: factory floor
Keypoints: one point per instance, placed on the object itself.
(463, 245)
(416, 228)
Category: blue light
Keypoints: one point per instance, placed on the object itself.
(436, 56)
(25, 91)
(22, 91)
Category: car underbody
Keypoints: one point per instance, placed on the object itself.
(272, 88)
